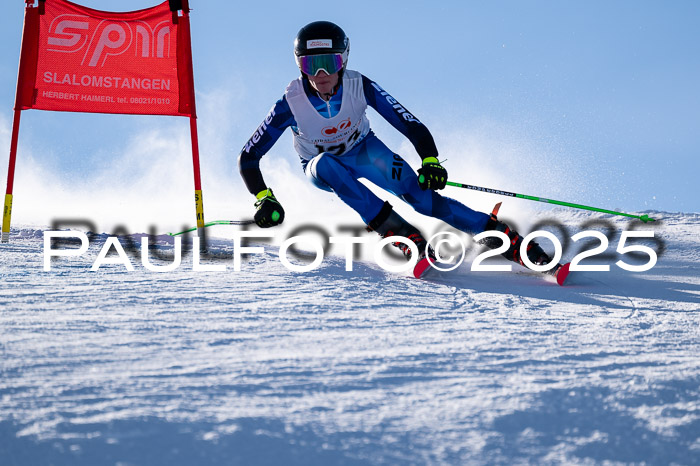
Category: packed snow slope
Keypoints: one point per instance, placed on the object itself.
(269, 366)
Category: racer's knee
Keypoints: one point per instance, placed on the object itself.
(315, 170)
(422, 201)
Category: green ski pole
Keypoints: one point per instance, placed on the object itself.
(644, 218)
(217, 222)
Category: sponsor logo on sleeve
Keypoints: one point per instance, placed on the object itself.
(260, 131)
(396, 105)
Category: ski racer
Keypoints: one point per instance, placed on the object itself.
(325, 109)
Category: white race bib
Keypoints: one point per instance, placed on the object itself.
(336, 135)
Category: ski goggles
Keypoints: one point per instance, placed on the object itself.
(312, 64)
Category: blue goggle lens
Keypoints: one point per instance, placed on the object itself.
(312, 64)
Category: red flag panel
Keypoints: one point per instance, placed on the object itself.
(103, 62)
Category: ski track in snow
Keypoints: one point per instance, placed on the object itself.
(268, 366)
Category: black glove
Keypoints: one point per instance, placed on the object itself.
(269, 210)
(431, 175)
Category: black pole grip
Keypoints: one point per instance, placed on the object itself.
(175, 5)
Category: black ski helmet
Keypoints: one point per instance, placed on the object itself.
(320, 38)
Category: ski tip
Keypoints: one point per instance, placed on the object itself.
(496, 208)
(562, 274)
(421, 267)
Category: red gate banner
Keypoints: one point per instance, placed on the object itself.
(77, 59)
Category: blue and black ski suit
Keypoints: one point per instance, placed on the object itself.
(337, 147)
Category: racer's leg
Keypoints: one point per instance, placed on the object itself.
(377, 163)
(327, 172)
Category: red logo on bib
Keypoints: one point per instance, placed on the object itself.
(331, 130)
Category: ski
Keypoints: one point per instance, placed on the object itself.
(561, 273)
(421, 267)
(216, 222)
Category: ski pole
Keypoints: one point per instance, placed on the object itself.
(217, 222)
(644, 218)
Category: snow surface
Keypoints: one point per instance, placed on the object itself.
(268, 366)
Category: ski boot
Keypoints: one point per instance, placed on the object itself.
(388, 223)
(534, 252)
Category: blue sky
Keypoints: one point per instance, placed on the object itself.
(589, 102)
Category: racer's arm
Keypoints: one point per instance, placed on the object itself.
(262, 140)
(400, 118)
